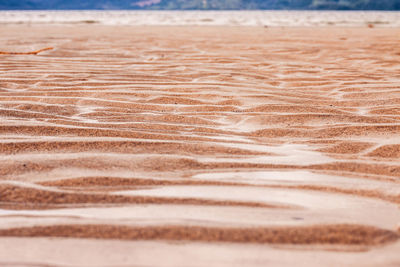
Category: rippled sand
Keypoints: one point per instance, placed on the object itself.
(199, 146)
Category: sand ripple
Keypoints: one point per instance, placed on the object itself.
(254, 135)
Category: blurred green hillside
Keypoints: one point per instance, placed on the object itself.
(281, 4)
(203, 4)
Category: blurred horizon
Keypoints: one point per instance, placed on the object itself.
(390, 5)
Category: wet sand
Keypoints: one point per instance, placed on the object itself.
(195, 146)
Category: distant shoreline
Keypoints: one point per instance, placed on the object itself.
(275, 18)
(206, 10)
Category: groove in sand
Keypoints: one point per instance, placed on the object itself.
(326, 234)
(29, 198)
(107, 184)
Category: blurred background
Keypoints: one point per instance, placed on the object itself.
(201, 4)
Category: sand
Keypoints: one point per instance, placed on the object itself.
(194, 146)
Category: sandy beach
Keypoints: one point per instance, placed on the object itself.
(199, 146)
